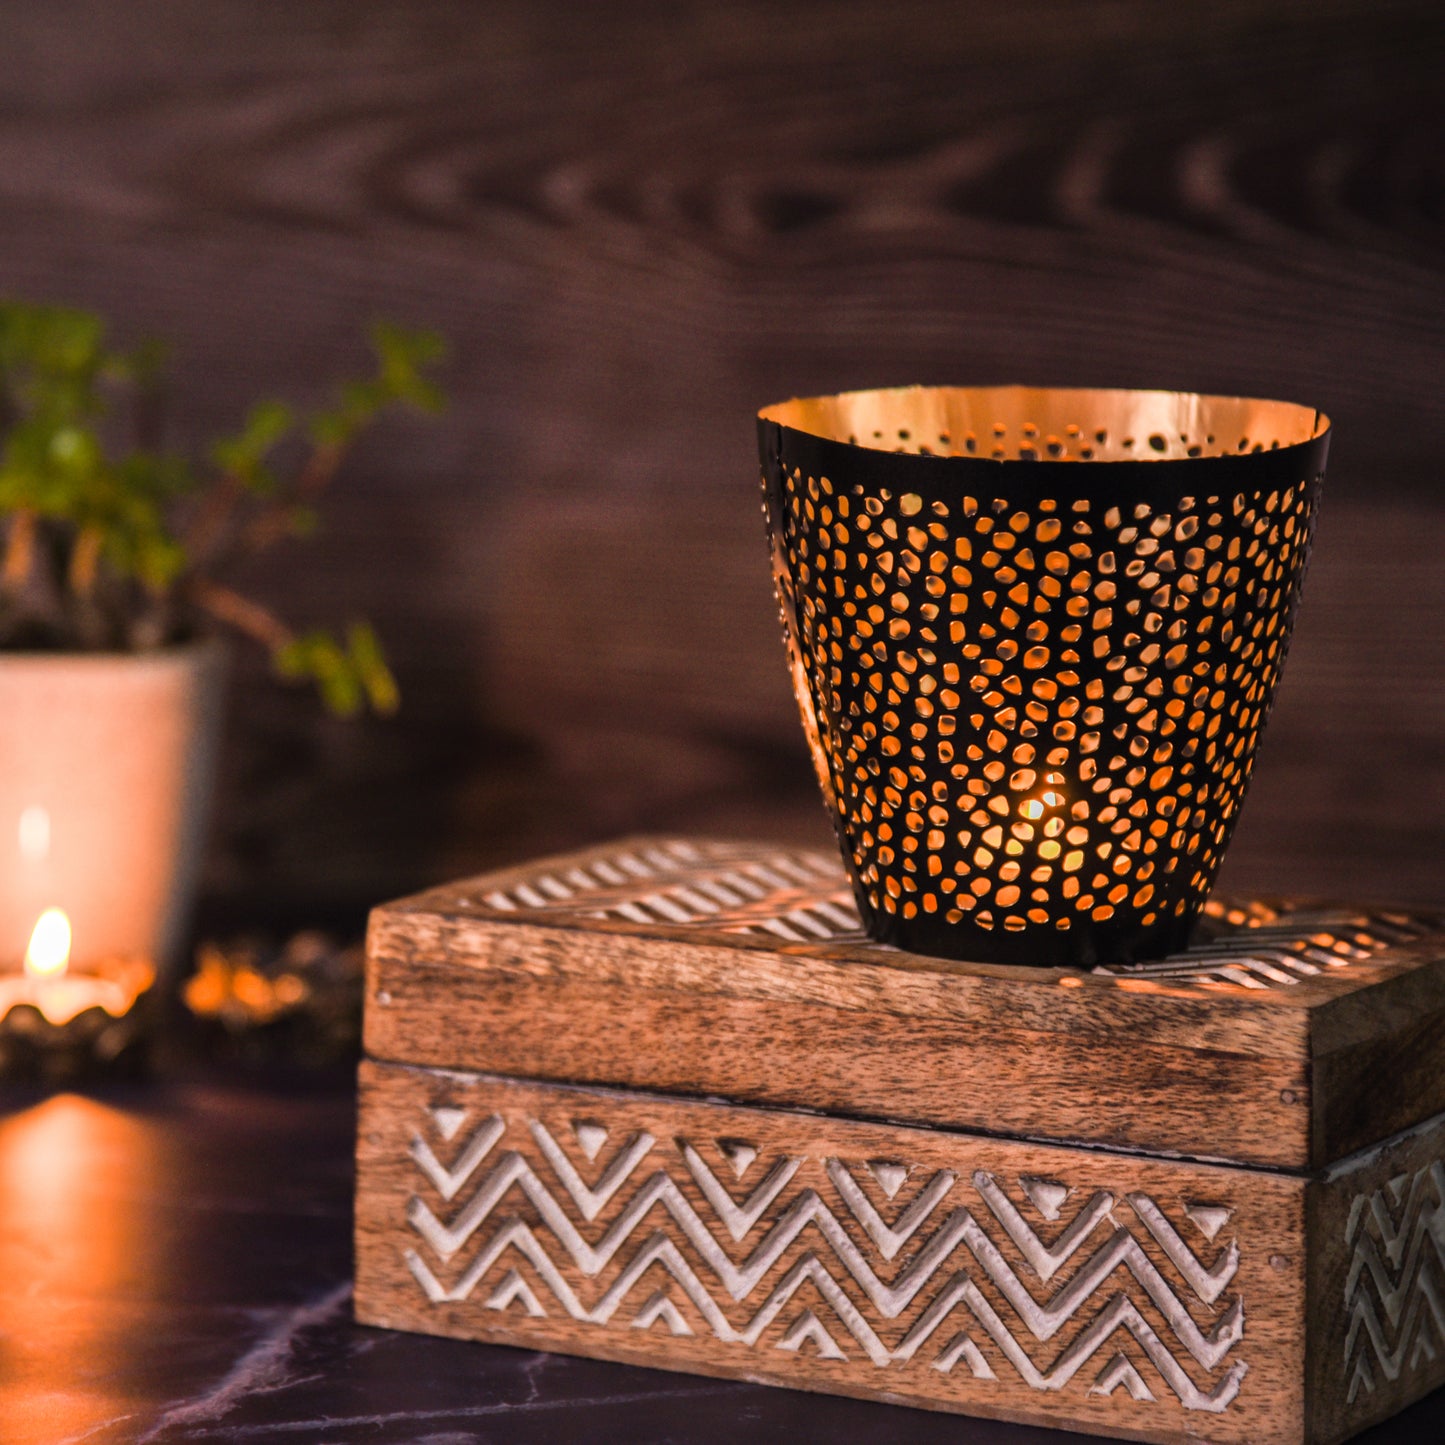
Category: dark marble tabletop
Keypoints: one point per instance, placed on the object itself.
(175, 1260)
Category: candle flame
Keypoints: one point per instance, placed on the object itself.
(1033, 808)
(49, 950)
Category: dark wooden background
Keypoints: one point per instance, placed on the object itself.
(639, 222)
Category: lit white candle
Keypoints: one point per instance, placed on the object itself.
(47, 984)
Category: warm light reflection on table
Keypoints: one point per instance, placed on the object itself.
(63, 1162)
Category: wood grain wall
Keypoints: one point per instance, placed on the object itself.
(639, 222)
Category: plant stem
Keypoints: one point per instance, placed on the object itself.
(206, 528)
(239, 612)
(320, 467)
(85, 561)
(274, 523)
(19, 551)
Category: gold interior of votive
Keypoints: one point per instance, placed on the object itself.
(1026, 423)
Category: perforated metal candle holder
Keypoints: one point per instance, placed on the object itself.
(1034, 636)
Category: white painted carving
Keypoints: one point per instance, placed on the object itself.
(659, 1307)
(448, 1121)
(446, 1181)
(890, 1177)
(957, 1256)
(1209, 1283)
(1209, 1218)
(889, 1239)
(1119, 1313)
(809, 1327)
(963, 1348)
(513, 1288)
(796, 897)
(738, 1219)
(738, 1154)
(804, 897)
(590, 1138)
(1395, 1287)
(1120, 1371)
(1048, 1196)
(592, 1201)
(1045, 1260)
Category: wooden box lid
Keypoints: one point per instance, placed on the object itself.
(1288, 1035)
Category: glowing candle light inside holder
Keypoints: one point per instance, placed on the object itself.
(59, 1024)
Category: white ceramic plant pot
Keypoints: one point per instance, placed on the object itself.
(106, 764)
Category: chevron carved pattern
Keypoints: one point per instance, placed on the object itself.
(803, 896)
(958, 1271)
(795, 896)
(1395, 1287)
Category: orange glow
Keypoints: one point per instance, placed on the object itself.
(49, 951)
(222, 989)
(79, 1184)
(1033, 809)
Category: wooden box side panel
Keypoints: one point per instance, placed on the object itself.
(1377, 1057)
(1113, 1065)
(1117, 1295)
(1376, 1302)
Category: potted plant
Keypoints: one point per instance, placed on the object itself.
(114, 558)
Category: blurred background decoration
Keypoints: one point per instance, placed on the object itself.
(259, 1002)
(636, 224)
(113, 584)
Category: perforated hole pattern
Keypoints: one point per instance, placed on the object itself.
(1033, 691)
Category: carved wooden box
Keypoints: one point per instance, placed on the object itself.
(663, 1103)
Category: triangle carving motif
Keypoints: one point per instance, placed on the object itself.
(1210, 1218)
(1047, 1195)
(890, 1176)
(739, 1154)
(448, 1120)
(590, 1138)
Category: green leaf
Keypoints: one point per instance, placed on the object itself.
(243, 456)
(404, 357)
(158, 561)
(372, 672)
(290, 661)
(319, 658)
(401, 357)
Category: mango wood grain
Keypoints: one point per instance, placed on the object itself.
(853, 1061)
(1377, 1057)
(1115, 1294)
(1290, 1076)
